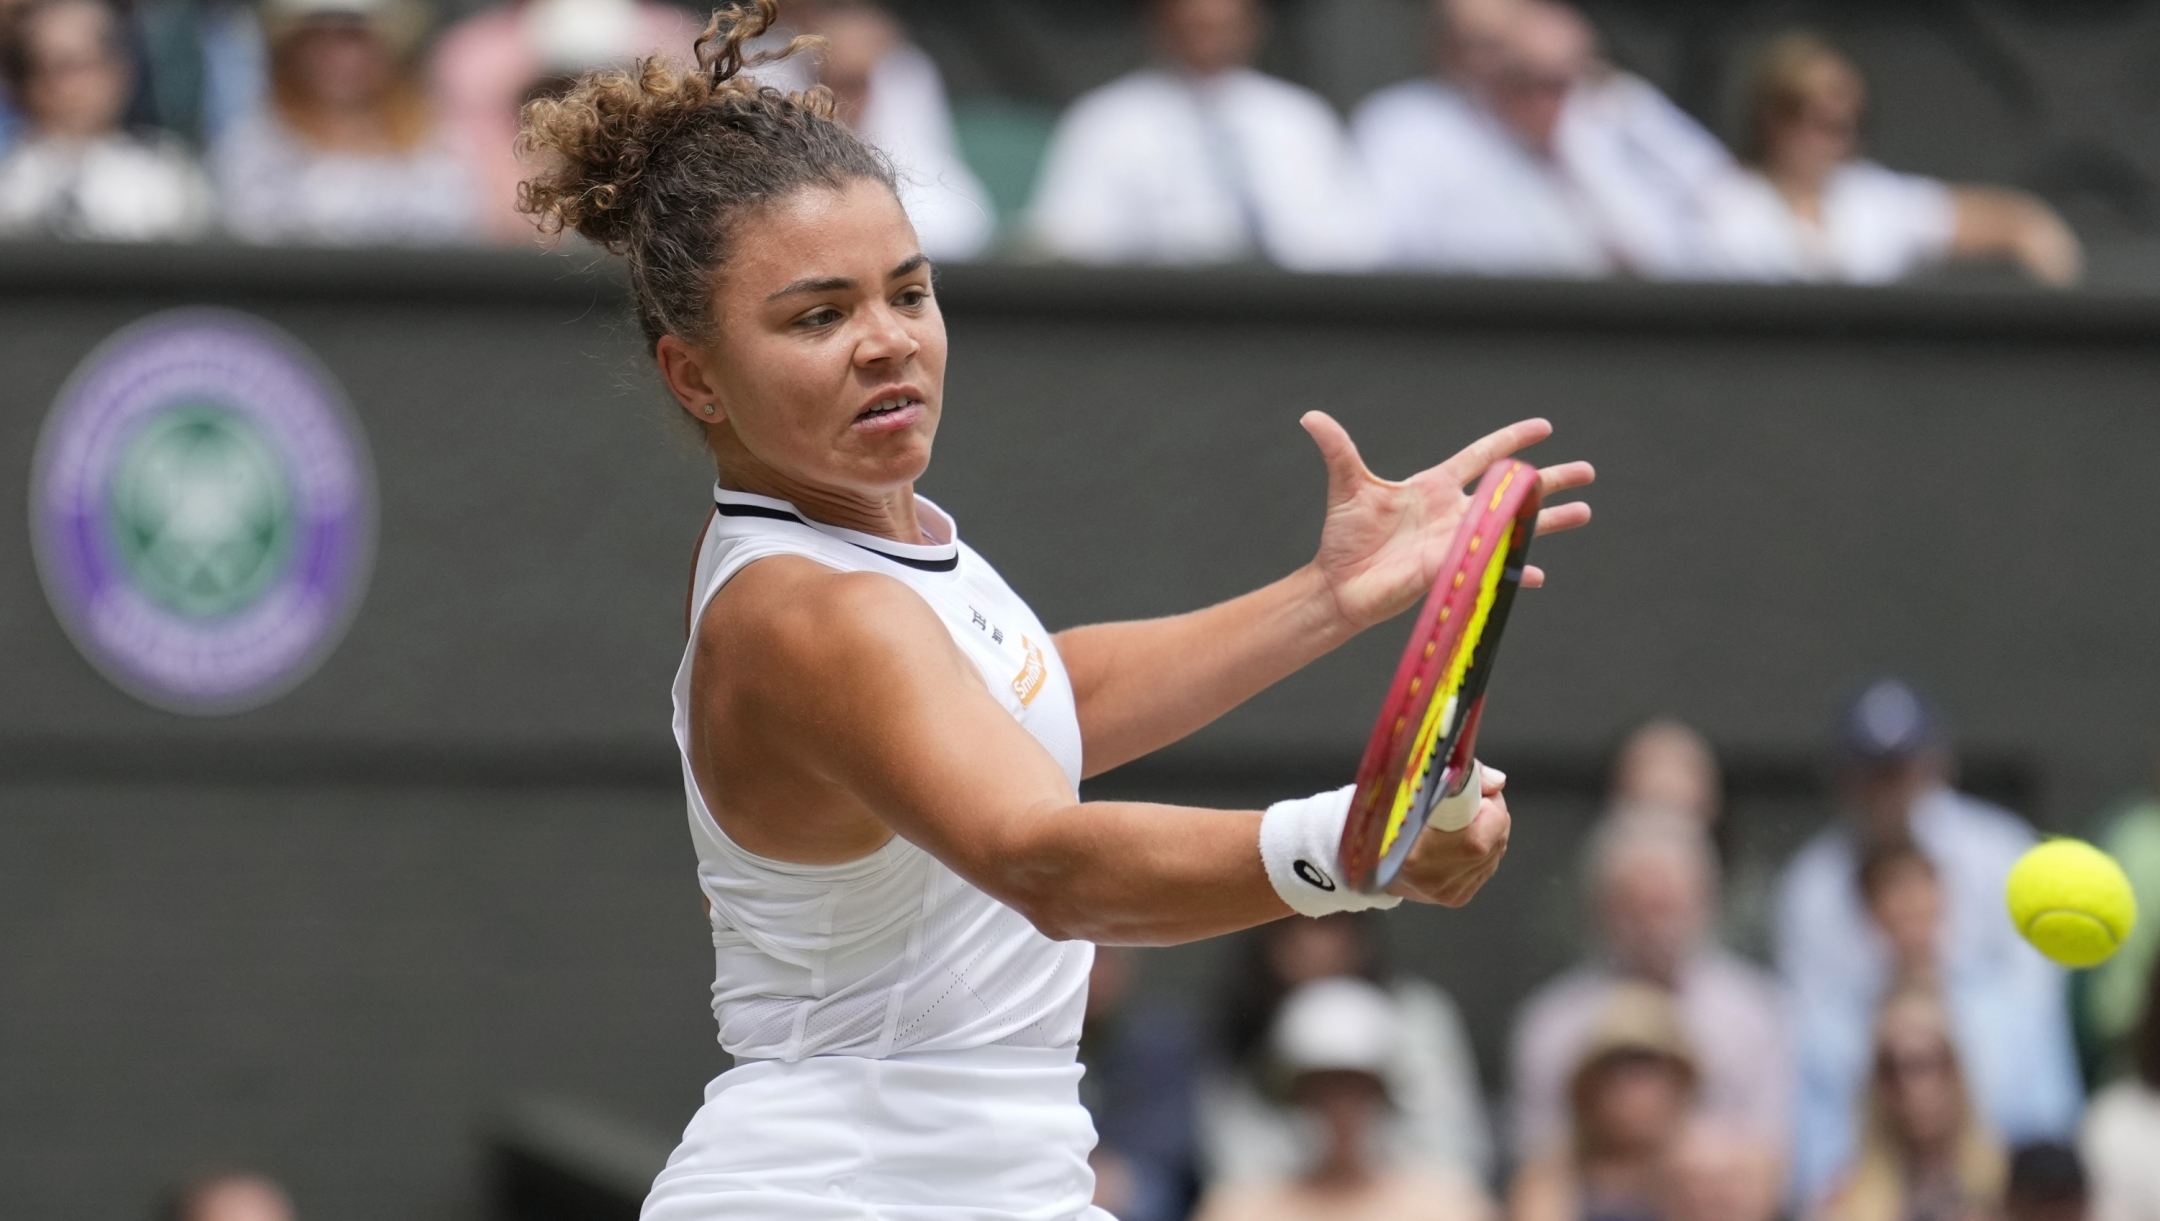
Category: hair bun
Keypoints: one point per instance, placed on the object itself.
(657, 162)
(598, 141)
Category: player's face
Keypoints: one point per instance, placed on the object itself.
(828, 357)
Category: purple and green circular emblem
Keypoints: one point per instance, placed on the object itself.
(203, 511)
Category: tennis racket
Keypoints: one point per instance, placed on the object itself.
(1423, 749)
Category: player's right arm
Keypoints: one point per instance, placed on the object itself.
(832, 710)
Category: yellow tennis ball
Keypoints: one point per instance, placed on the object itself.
(2071, 901)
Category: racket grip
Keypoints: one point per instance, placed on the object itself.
(1454, 813)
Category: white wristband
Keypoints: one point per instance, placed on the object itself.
(1299, 841)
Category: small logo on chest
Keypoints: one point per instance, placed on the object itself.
(1028, 683)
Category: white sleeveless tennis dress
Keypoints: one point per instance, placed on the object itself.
(905, 1044)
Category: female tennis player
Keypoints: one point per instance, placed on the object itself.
(881, 743)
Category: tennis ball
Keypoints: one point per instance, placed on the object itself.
(2071, 901)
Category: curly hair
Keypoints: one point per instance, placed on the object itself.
(658, 162)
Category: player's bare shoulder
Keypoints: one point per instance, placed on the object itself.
(786, 630)
(798, 664)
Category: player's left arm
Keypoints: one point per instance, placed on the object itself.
(1144, 684)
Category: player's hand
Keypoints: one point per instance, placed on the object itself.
(1449, 867)
(1383, 542)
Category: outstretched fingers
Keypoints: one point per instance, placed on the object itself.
(1345, 470)
(1563, 517)
(1565, 477)
(1465, 467)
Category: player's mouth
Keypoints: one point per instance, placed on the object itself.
(890, 412)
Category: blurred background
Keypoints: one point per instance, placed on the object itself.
(344, 532)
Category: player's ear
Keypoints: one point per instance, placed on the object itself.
(682, 367)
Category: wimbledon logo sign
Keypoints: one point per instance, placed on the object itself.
(203, 511)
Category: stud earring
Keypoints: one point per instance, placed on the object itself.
(710, 408)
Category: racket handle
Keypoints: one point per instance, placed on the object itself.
(1454, 811)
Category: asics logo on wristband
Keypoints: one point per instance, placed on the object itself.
(1311, 874)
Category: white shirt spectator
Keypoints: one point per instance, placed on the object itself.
(1877, 226)
(1664, 139)
(277, 189)
(2013, 1028)
(907, 117)
(1649, 167)
(2119, 1143)
(1730, 1011)
(1457, 191)
(1162, 168)
(114, 188)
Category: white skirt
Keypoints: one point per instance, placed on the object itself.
(987, 1134)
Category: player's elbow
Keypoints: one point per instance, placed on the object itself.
(1059, 921)
(1038, 875)
(1051, 907)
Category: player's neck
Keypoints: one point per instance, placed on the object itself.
(886, 514)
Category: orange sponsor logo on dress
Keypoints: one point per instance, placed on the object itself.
(1028, 683)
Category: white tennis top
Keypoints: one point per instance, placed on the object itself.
(893, 953)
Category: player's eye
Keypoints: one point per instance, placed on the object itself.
(911, 298)
(819, 318)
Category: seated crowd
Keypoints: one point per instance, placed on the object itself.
(1523, 152)
(1909, 1059)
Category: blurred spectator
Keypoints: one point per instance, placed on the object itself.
(2047, 1183)
(11, 118)
(1203, 160)
(1810, 209)
(2008, 1000)
(1630, 1089)
(486, 67)
(347, 152)
(1139, 1088)
(1653, 882)
(2111, 994)
(2121, 1137)
(228, 1197)
(1903, 896)
(74, 173)
(206, 64)
(1924, 1153)
(1666, 765)
(1336, 1040)
(1537, 159)
(1712, 1173)
(891, 94)
(1438, 1116)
